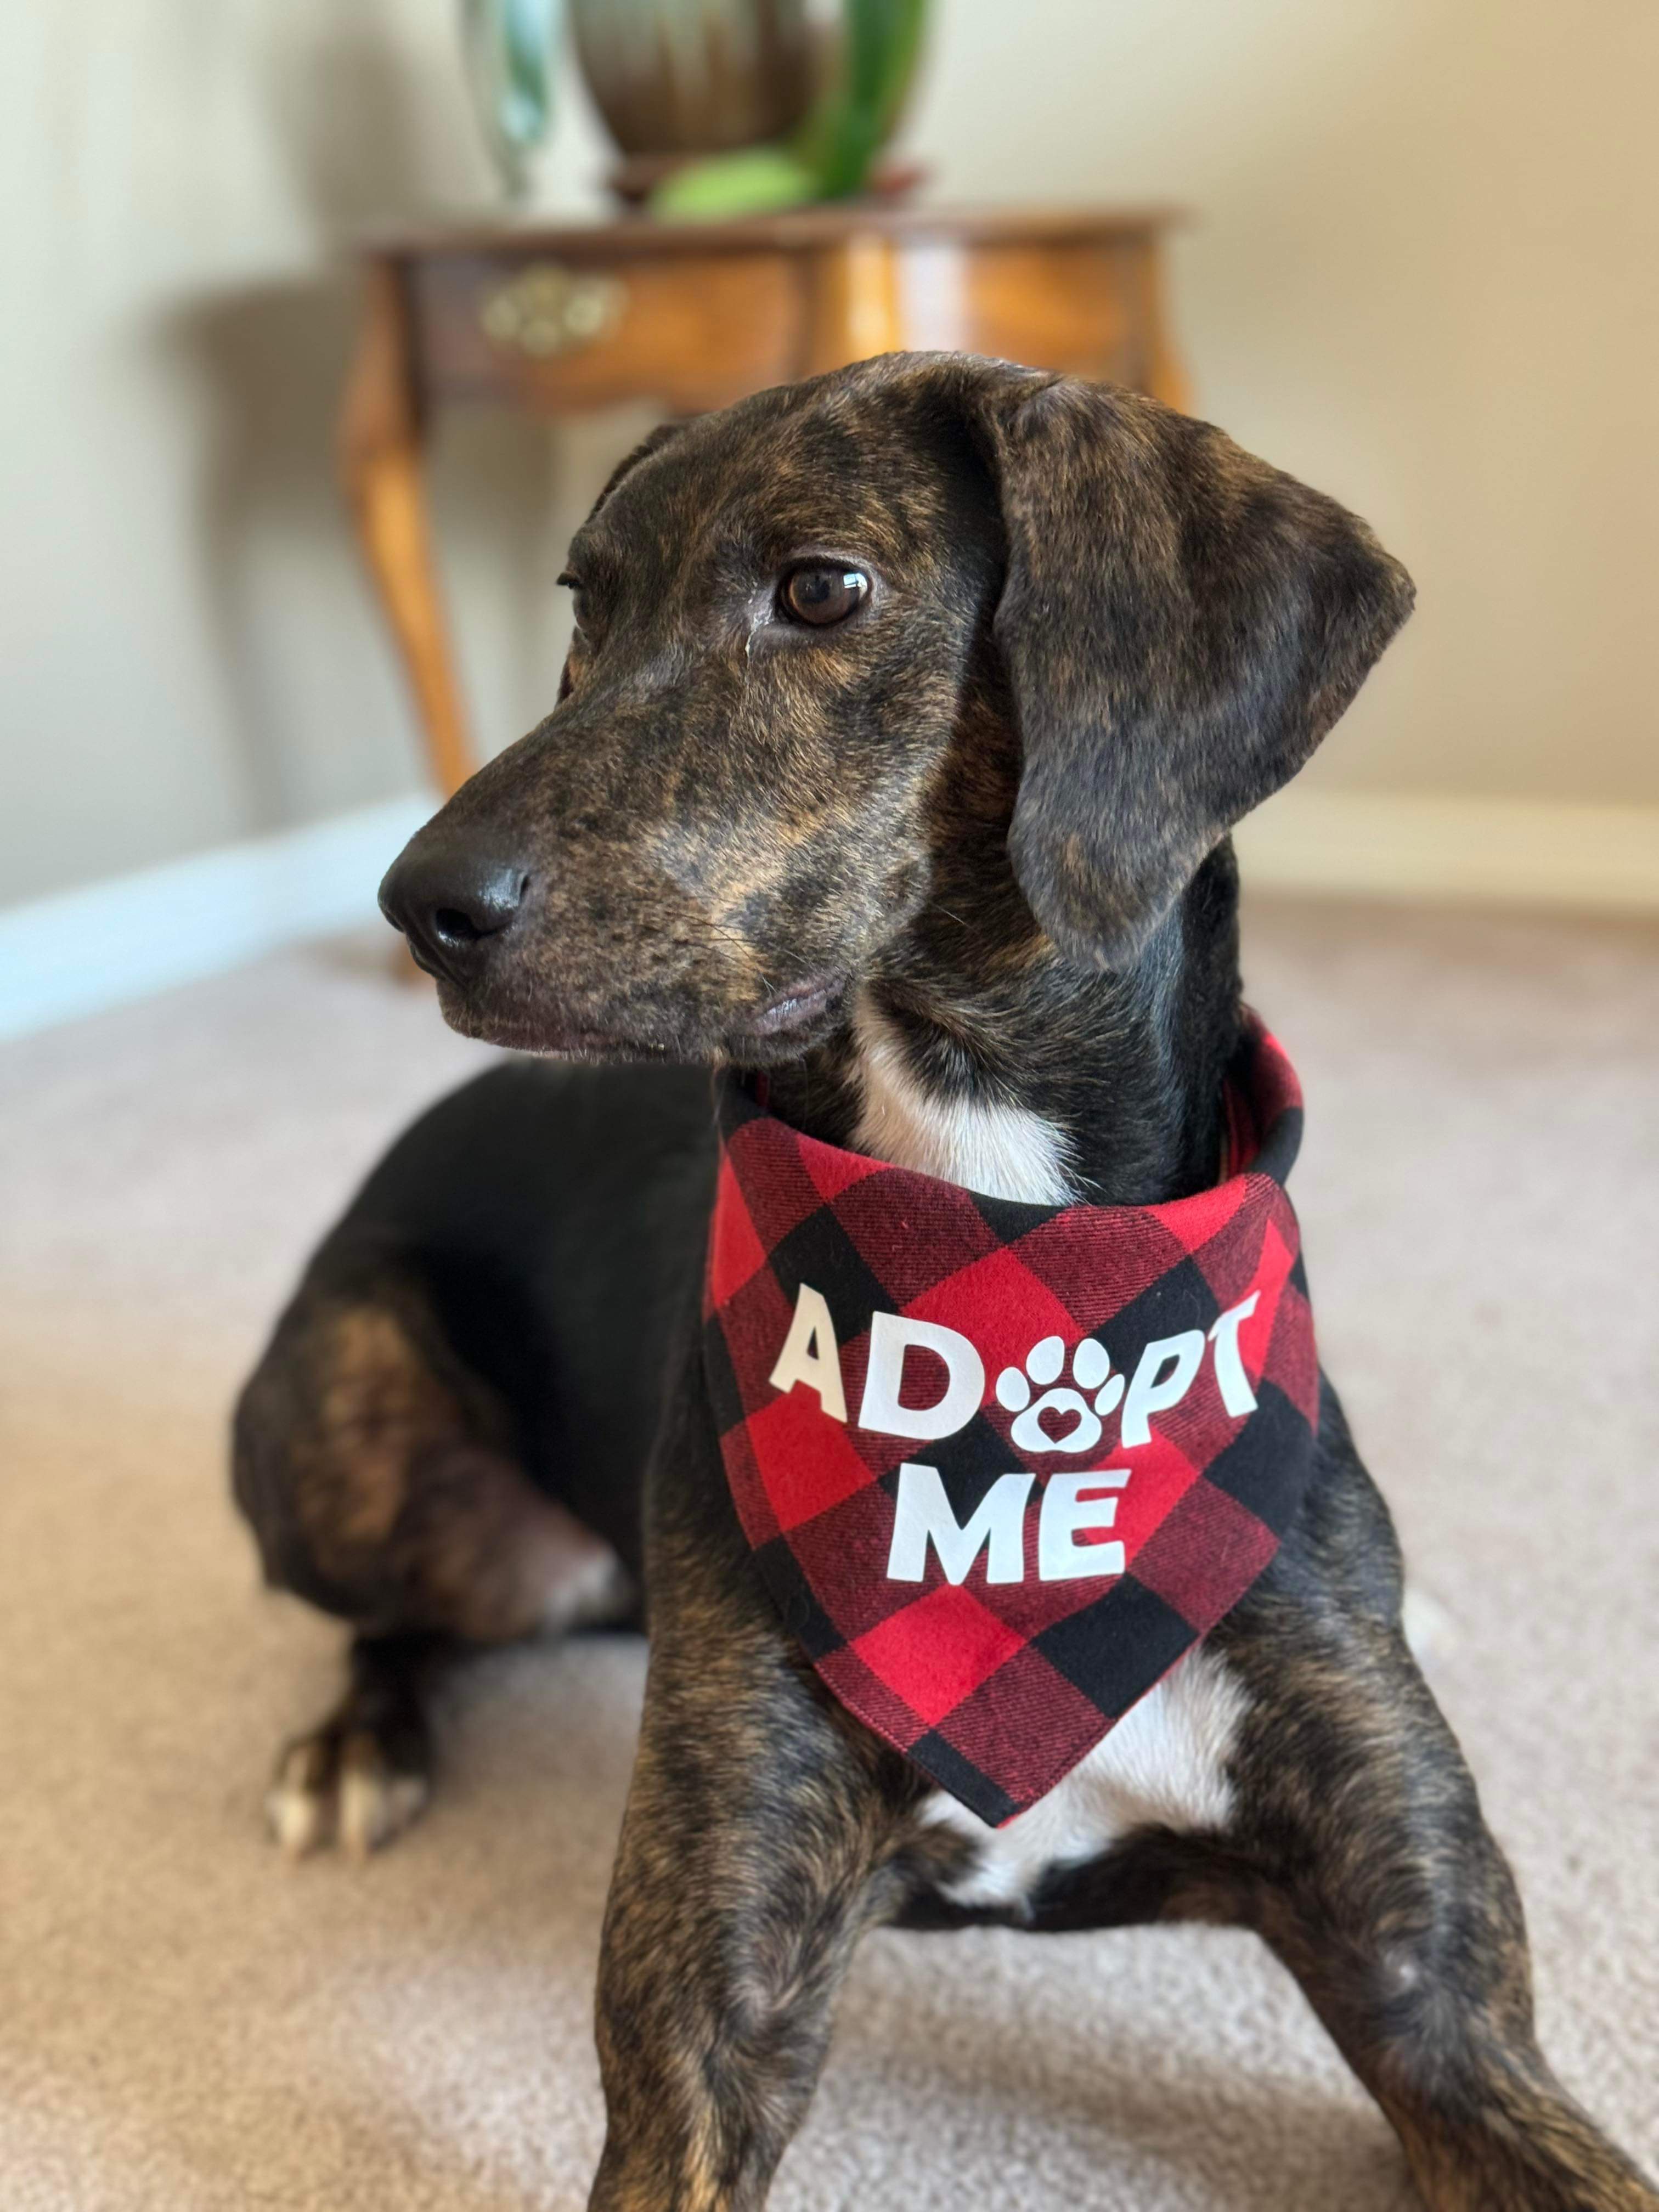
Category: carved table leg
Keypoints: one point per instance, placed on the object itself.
(380, 449)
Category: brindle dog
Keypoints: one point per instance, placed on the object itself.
(907, 716)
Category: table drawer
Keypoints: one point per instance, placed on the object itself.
(689, 331)
(1080, 308)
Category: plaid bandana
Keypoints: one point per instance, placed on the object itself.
(1002, 1465)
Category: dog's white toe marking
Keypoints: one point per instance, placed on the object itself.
(343, 1790)
(299, 1806)
(376, 1804)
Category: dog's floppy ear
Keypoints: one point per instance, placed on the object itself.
(1181, 624)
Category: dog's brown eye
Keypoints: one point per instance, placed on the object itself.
(823, 592)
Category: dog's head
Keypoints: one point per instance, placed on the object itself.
(833, 640)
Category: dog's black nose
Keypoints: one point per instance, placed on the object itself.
(453, 903)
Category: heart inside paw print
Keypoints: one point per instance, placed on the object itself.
(1091, 1372)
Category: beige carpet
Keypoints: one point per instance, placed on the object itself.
(185, 2022)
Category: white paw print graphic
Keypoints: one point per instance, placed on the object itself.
(1091, 1371)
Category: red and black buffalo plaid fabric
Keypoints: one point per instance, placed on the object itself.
(997, 1682)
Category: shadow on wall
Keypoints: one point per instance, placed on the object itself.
(368, 146)
(353, 116)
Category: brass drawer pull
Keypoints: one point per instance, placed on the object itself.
(547, 309)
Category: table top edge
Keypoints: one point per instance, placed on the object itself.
(793, 229)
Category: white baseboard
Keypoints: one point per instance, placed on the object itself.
(1510, 852)
(117, 941)
(108, 943)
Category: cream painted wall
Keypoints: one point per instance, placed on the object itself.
(1422, 275)
(189, 653)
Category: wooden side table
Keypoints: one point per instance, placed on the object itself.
(693, 316)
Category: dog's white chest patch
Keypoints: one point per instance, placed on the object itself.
(1164, 1765)
(1005, 1152)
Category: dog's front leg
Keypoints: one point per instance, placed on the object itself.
(750, 1862)
(761, 1838)
(1393, 1906)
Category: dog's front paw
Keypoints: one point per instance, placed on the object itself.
(342, 1785)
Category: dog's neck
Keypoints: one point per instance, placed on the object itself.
(1032, 1079)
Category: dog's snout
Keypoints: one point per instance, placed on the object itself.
(453, 901)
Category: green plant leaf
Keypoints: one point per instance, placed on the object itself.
(843, 135)
(753, 181)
